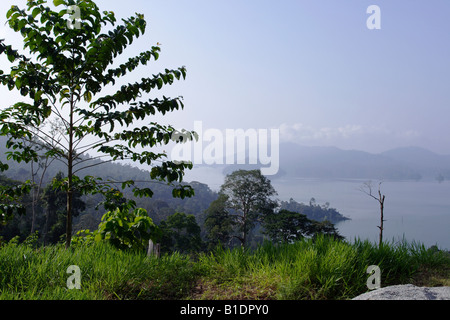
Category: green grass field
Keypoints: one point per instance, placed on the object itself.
(321, 269)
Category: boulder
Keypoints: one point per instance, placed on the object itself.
(407, 292)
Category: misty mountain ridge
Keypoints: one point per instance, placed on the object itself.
(297, 161)
(423, 159)
(404, 163)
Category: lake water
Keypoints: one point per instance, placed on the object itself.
(416, 211)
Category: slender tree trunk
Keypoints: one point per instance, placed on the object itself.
(70, 157)
(69, 213)
(47, 214)
(381, 200)
(33, 199)
(244, 228)
(244, 236)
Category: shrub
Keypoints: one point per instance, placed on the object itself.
(124, 229)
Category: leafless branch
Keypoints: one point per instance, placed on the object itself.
(367, 189)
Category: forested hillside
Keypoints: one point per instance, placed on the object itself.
(49, 209)
(159, 207)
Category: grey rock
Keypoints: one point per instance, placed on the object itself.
(407, 292)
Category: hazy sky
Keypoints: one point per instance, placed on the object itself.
(311, 68)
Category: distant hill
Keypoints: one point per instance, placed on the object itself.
(426, 162)
(411, 163)
(331, 162)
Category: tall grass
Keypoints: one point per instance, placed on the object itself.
(106, 273)
(314, 269)
(309, 269)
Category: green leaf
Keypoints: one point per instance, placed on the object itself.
(22, 24)
(59, 2)
(35, 12)
(38, 95)
(11, 57)
(11, 11)
(88, 96)
(18, 83)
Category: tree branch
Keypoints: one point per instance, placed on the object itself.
(91, 166)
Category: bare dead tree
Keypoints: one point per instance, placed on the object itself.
(368, 189)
